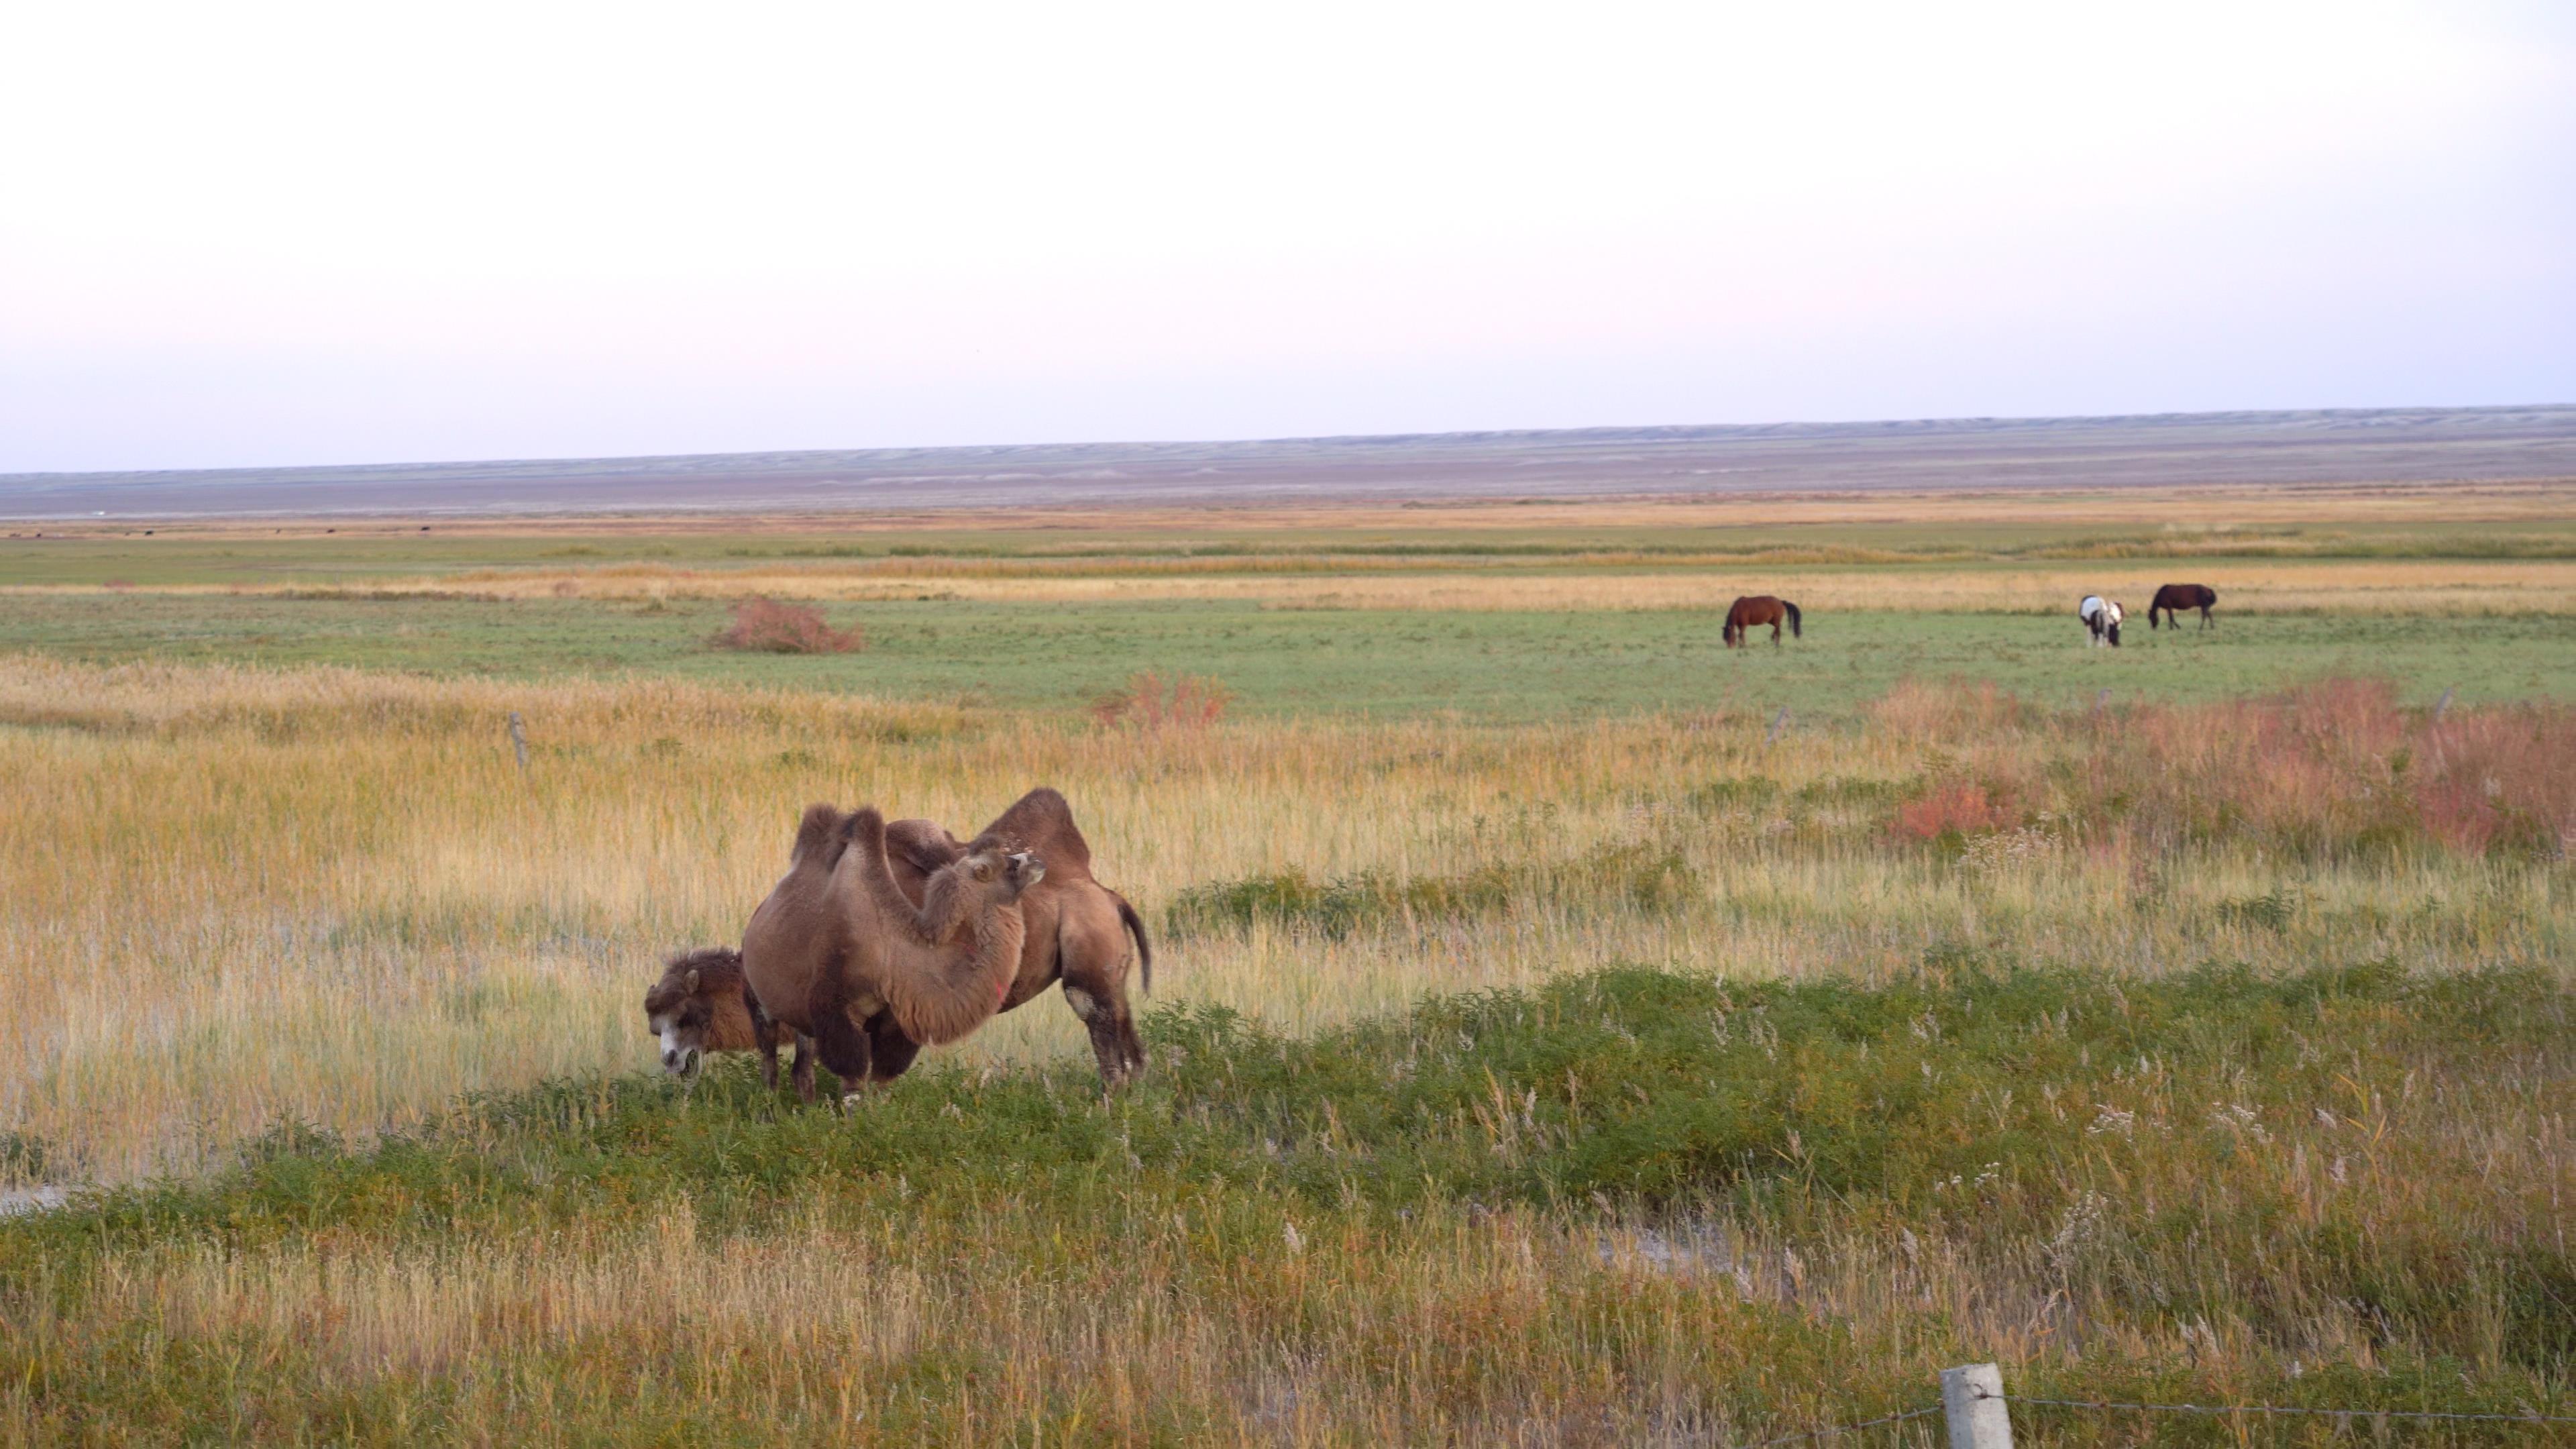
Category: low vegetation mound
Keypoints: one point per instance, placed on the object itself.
(1647, 877)
(1150, 701)
(763, 625)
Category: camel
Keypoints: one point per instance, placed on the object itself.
(702, 1006)
(837, 945)
(1077, 927)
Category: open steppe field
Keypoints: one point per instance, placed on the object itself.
(1554, 1041)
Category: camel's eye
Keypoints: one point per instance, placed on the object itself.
(983, 870)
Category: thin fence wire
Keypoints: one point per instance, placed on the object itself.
(1840, 1428)
(2534, 1418)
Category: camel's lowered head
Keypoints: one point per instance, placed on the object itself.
(700, 1005)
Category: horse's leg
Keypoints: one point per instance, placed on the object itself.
(803, 1076)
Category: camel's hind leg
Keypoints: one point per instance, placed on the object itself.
(1091, 944)
(1114, 1041)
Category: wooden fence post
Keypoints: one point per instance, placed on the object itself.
(1972, 1397)
(1777, 721)
(519, 740)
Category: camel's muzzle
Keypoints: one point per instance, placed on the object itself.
(1026, 869)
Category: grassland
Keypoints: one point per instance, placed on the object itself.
(1547, 1052)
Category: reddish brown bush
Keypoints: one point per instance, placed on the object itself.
(764, 625)
(2325, 768)
(1186, 701)
(2499, 778)
(1955, 806)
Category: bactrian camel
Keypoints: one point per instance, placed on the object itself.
(839, 954)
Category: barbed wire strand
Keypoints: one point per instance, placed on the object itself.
(1840, 1428)
(2281, 1409)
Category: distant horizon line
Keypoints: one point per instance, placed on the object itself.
(1642, 431)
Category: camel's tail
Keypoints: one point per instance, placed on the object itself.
(1795, 630)
(1144, 948)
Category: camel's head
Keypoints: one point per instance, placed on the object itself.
(1000, 875)
(697, 1007)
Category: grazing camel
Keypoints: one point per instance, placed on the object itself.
(1077, 927)
(702, 1006)
(836, 945)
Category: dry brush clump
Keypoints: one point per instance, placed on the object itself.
(763, 625)
(1150, 701)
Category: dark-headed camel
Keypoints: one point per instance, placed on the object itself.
(701, 1006)
(837, 945)
(1077, 927)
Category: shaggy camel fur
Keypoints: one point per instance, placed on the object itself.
(702, 1005)
(836, 944)
(1077, 927)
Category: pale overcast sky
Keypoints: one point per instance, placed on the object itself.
(256, 233)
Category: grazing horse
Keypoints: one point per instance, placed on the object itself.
(1754, 611)
(2174, 598)
(2101, 616)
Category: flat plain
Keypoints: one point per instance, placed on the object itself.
(1567, 1030)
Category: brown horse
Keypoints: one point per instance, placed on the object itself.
(1754, 611)
(2173, 598)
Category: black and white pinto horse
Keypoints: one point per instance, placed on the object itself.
(2102, 617)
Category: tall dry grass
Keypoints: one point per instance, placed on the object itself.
(2439, 587)
(231, 896)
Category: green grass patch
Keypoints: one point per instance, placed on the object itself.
(1497, 666)
(2215, 1153)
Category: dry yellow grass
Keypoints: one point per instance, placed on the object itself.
(231, 896)
(2442, 587)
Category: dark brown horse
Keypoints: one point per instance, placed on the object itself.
(1756, 610)
(2172, 599)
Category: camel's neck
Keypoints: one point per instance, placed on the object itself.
(946, 907)
(1000, 931)
(965, 981)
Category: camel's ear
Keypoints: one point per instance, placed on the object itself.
(693, 981)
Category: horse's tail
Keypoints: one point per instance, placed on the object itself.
(1794, 629)
(1144, 948)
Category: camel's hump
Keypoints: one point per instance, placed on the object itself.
(1041, 821)
(818, 836)
(920, 844)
